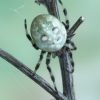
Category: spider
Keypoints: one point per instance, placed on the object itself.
(50, 36)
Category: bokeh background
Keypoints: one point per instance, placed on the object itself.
(16, 86)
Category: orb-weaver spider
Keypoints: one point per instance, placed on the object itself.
(50, 35)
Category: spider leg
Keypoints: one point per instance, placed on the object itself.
(28, 36)
(70, 55)
(71, 62)
(39, 61)
(69, 42)
(66, 23)
(73, 45)
(50, 71)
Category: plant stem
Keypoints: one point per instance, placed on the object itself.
(67, 77)
(28, 72)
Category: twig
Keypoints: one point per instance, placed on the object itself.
(67, 78)
(28, 72)
(74, 27)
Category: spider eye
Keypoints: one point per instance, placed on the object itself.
(55, 29)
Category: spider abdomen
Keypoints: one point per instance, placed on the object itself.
(48, 33)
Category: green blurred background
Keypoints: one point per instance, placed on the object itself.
(16, 86)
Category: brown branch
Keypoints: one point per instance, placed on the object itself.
(28, 72)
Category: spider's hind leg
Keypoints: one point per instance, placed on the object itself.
(71, 62)
(50, 71)
(39, 61)
(71, 43)
(70, 46)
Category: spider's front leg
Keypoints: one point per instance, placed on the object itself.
(50, 71)
(66, 23)
(28, 36)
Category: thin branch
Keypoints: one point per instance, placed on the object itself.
(51, 6)
(28, 72)
(67, 77)
(75, 27)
